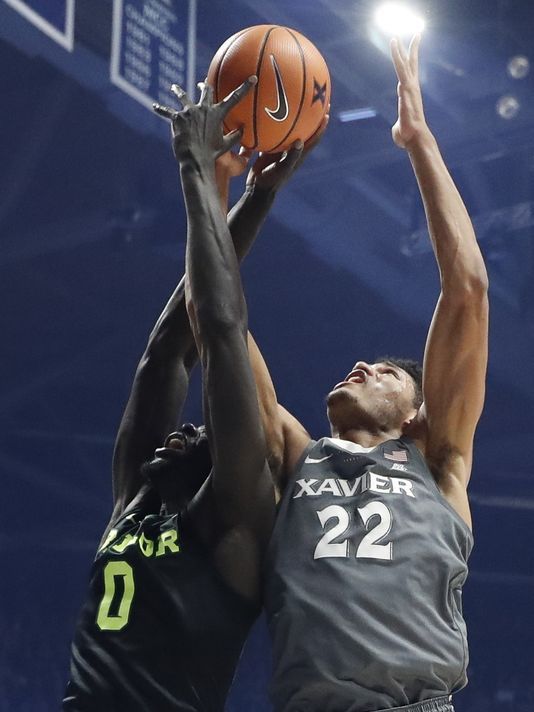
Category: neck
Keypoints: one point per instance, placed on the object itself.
(173, 504)
(366, 437)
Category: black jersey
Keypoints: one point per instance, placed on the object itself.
(363, 582)
(160, 631)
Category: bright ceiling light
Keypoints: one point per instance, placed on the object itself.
(518, 66)
(398, 20)
(365, 112)
(508, 107)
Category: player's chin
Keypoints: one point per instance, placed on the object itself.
(338, 394)
(157, 467)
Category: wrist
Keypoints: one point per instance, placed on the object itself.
(191, 164)
(260, 194)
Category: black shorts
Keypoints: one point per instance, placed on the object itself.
(436, 704)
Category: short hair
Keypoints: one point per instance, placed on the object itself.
(414, 369)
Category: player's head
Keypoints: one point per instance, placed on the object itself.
(181, 465)
(381, 397)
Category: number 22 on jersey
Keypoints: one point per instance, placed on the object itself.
(373, 513)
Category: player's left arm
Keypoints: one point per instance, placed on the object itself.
(241, 482)
(157, 396)
(455, 359)
(161, 380)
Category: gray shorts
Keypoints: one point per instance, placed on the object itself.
(436, 704)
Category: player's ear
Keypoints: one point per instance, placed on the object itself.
(413, 423)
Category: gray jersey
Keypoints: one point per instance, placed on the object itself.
(363, 582)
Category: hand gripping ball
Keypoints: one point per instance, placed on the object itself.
(293, 90)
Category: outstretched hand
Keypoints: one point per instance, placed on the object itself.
(271, 170)
(197, 130)
(411, 122)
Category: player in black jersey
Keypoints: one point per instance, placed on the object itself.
(175, 583)
(369, 551)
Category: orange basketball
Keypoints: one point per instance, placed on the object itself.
(293, 90)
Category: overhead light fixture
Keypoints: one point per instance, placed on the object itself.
(366, 112)
(508, 107)
(398, 20)
(518, 66)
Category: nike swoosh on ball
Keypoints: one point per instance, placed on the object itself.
(282, 110)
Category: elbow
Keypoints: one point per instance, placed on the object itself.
(479, 281)
(476, 285)
(166, 345)
(468, 296)
(219, 320)
(469, 285)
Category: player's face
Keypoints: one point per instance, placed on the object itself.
(182, 464)
(378, 395)
(182, 443)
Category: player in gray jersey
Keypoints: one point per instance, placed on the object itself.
(369, 553)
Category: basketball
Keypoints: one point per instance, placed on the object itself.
(293, 90)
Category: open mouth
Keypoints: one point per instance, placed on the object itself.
(175, 441)
(169, 453)
(358, 376)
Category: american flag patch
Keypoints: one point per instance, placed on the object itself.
(397, 455)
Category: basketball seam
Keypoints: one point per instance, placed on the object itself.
(258, 67)
(297, 115)
(218, 70)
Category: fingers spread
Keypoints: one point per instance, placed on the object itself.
(231, 140)
(414, 53)
(406, 63)
(206, 93)
(401, 48)
(238, 94)
(398, 58)
(181, 95)
(165, 111)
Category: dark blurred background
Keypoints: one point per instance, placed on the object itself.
(92, 243)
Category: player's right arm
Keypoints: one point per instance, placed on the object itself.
(286, 437)
(240, 485)
(456, 351)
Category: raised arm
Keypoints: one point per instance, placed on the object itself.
(156, 399)
(455, 358)
(286, 436)
(161, 380)
(241, 482)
